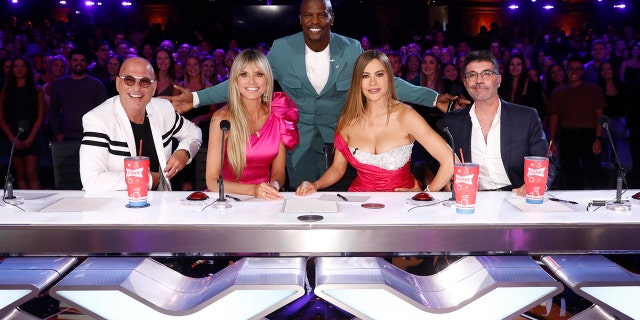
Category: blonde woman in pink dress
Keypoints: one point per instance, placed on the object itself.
(263, 126)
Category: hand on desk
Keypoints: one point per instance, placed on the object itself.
(306, 188)
(522, 191)
(266, 191)
(416, 188)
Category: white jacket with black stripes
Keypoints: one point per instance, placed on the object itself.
(108, 139)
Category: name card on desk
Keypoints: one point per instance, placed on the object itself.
(77, 204)
(547, 206)
(306, 205)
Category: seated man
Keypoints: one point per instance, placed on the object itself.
(118, 127)
(494, 133)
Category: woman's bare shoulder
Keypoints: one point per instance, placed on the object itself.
(220, 114)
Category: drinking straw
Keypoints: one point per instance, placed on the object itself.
(461, 156)
(140, 153)
(549, 149)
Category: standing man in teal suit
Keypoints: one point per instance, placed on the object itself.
(314, 68)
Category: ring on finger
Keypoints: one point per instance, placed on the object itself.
(264, 194)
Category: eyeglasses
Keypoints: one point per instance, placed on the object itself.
(484, 74)
(131, 80)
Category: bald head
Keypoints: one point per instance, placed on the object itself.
(138, 63)
(327, 4)
(136, 85)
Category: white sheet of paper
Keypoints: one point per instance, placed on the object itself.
(77, 204)
(310, 205)
(335, 198)
(546, 206)
(32, 195)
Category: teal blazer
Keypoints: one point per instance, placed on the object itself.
(318, 113)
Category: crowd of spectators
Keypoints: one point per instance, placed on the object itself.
(533, 63)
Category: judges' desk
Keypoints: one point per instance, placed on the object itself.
(99, 223)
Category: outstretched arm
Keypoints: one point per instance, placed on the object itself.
(187, 100)
(423, 96)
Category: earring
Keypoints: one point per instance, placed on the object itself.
(265, 97)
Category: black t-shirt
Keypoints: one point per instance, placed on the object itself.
(143, 132)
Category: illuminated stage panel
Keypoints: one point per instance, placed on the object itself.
(593, 313)
(22, 279)
(599, 280)
(372, 288)
(141, 288)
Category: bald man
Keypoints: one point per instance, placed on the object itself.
(115, 129)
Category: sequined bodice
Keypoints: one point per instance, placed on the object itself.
(389, 160)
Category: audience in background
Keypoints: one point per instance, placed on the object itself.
(22, 105)
(544, 50)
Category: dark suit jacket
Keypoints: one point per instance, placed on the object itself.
(520, 135)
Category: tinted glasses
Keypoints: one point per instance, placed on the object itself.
(143, 81)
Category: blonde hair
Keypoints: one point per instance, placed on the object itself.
(239, 132)
(187, 77)
(356, 105)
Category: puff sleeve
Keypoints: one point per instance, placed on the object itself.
(286, 112)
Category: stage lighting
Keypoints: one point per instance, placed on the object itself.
(548, 7)
(498, 287)
(141, 288)
(620, 6)
(514, 7)
(24, 278)
(126, 3)
(599, 280)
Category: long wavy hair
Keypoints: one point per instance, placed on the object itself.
(187, 77)
(438, 84)
(355, 108)
(172, 64)
(11, 83)
(239, 132)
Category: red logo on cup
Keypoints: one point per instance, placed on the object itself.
(137, 173)
(531, 172)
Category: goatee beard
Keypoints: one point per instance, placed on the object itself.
(78, 72)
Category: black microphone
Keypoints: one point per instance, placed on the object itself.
(617, 204)
(442, 125)
(456, 90)
(224, 126)
(23, 125)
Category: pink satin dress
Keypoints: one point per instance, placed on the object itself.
(263, 145)
(374, 178)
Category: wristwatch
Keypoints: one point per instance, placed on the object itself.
(188, 153)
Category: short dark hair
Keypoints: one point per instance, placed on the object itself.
(79, 52)
(479, 56)
(575, 58)
(395, 54)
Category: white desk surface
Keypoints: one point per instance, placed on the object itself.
(167, 208)
(258, 226)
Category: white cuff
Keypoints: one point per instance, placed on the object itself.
(196, 100)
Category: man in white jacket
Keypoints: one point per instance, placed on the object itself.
(133, 121)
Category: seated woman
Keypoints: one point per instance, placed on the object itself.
(375, 134)
(263, 124)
